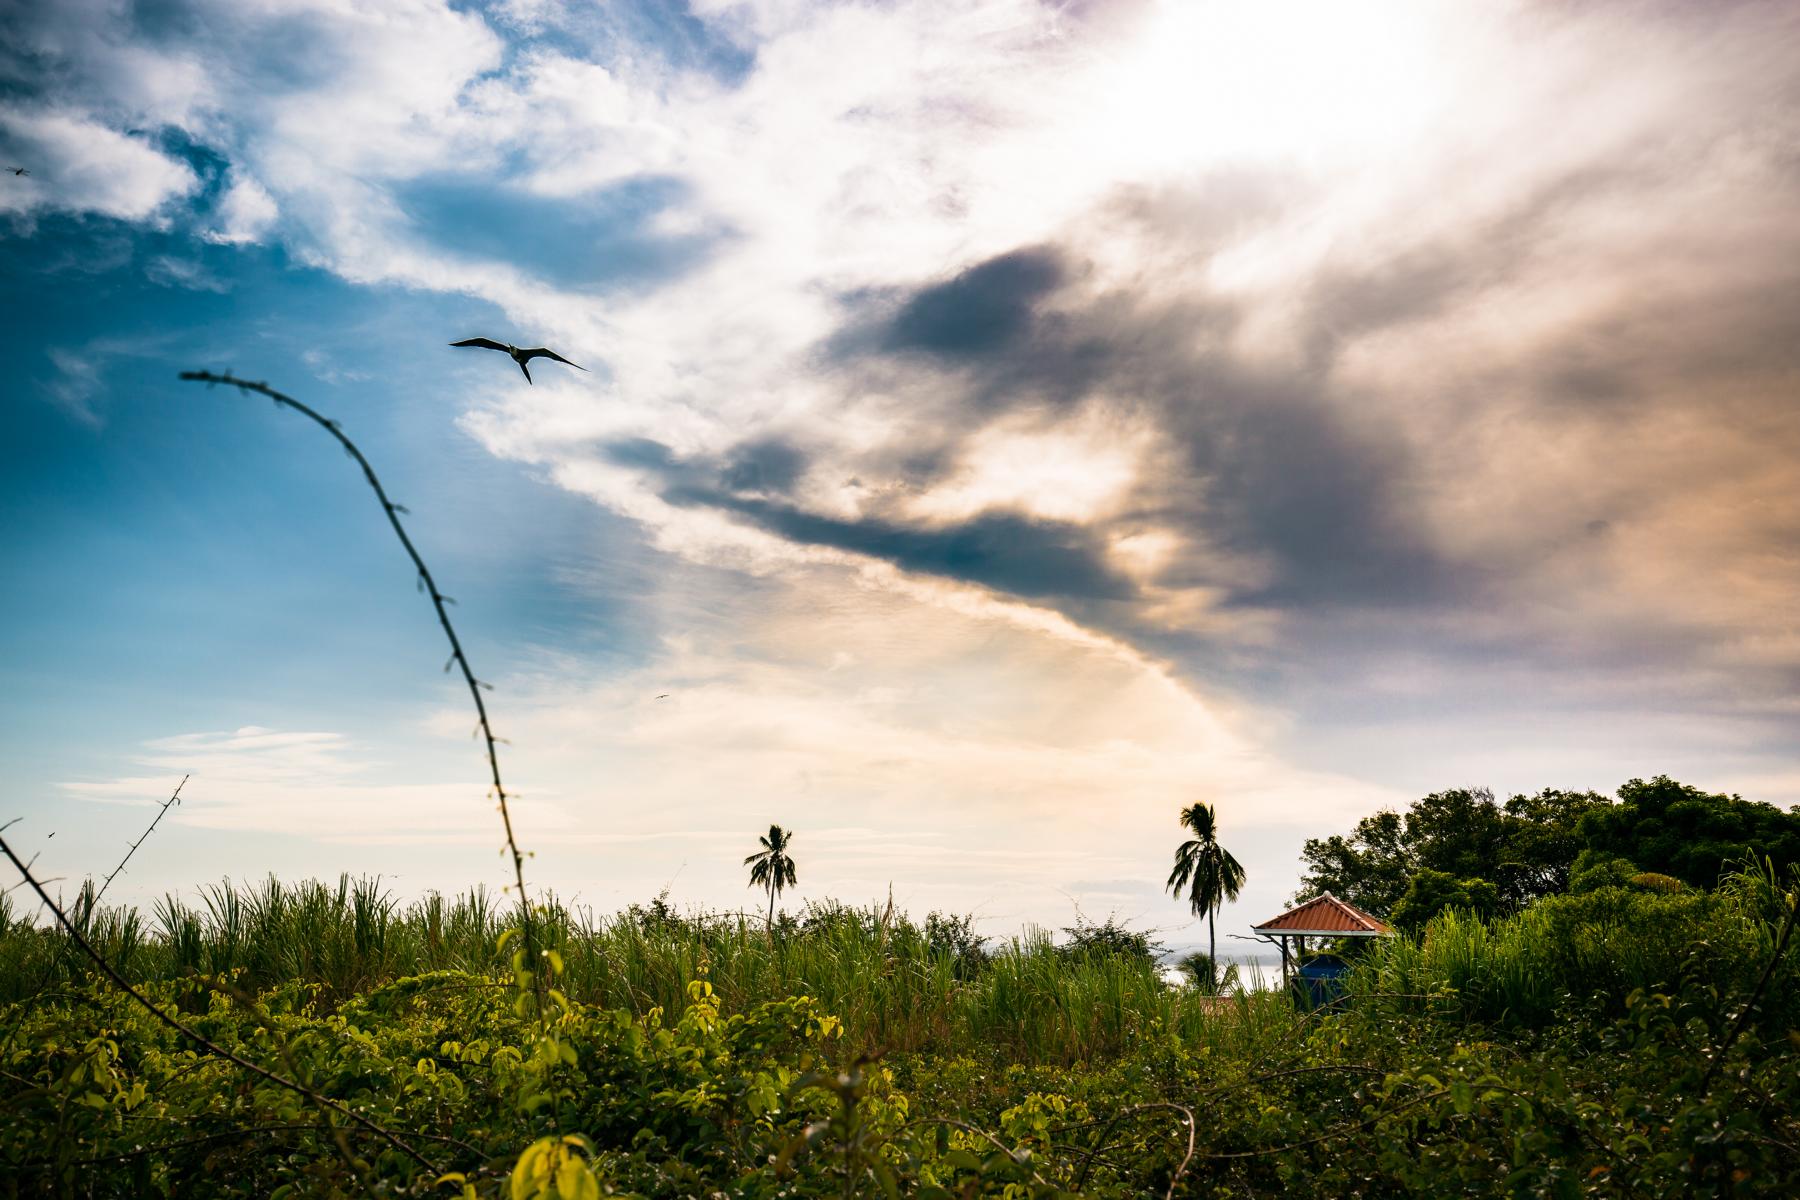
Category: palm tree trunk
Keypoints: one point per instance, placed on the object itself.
(771, 910)
(1212, 946)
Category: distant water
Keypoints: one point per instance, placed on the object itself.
(1256, 972)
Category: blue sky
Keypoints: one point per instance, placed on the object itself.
(1005, 423)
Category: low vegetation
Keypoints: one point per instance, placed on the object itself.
(1625, 1041)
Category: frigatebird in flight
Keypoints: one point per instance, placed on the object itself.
(520, 355)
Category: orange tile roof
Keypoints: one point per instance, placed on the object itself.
(1325, 914)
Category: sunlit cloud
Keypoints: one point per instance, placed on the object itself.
(1086, 393)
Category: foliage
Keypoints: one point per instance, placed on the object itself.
(1596, 869)
(1453, 1071)
(1203, 974)
(954, 935)
(1111, 939)
(1527, 847)
(1588, 952)
(1695, 836)
(1431, 892)
(896, 984)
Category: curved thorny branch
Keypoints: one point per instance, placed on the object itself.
(439, 602)
(174, 799)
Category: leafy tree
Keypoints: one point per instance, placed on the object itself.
(1431, 892)
(771, 868)
(1369, 868)
(1110, 939)
(1673, 829)
(1525, 847)
(1543, 840)
(1208, 870)
(1596, 869)
(1205, 975)
(954, 934)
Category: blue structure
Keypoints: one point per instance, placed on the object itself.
(1321, 981)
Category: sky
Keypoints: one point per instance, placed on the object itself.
(1004, 423)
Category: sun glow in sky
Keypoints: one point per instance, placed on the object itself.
(1288, 83)
(1006, 422)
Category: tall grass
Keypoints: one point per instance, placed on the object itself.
(897, 985)
(902, 986)
(1584, 952)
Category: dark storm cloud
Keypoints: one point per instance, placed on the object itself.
(639, 452)
(984, 310)
(1269, 466)
(764, 465)
(1278, 472)
(1008, 552)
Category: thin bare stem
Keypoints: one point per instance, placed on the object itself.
(1187, 1115)
(173, 800)
(439, 602)
(200, 1039)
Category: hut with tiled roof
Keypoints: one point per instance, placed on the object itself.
(1324, 917)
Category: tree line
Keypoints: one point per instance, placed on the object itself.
(1466, 849)
(1463, 848)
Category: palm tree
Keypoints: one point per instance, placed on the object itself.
(774, 870)
(1209, 872)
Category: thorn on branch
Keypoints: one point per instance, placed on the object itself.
(426, 586)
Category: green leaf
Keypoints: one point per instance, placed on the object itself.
(574, 1181)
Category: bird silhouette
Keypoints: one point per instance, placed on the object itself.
(18, 170)
(520, 355)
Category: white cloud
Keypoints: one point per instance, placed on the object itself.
(311, 784)
(83, 165)
(78, 381)
(246, 212)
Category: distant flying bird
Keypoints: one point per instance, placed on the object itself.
(519, 355)
(18, 170)
(664, 696)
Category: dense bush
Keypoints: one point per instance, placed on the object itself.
(1589, 952)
